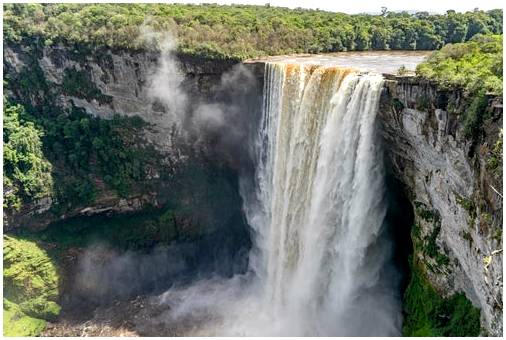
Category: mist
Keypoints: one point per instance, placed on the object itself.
(104, 274)
(216, 127)
(312, 182)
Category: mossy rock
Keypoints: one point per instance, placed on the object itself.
(17, 323)
(30, 287)
(41, 308)
(430, 314)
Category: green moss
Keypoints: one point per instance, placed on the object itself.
(427, 245)
(79, 83)
(467, 236)
(468, 206)
(486, 218)
(431, 248)
(17, 323)
(397, 105)
(475, 114)
(442, 259)
(494, 163)
(422, 103)
(429, 314)
(498, 234)
(422, 211)
(30, 286)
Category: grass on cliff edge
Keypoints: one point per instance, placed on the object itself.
(428, 314)
(30, 288)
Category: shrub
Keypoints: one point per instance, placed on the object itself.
(27, 173)
(429, 314)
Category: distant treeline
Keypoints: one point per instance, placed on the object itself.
(241, 32)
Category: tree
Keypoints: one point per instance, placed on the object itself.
(27, 173)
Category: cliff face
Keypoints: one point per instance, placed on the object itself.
(121, 77)
(456, 198)
(115, 82)
(185, 205)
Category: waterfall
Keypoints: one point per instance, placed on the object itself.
(321, 263)
(320, 258)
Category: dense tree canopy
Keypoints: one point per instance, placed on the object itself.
(71, 150)
(244, 31)
(476, 67)
(27, 174)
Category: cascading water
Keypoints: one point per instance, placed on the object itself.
(320, 263)
(320, 184)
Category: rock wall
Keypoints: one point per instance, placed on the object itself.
(457, 200)
(122, 77)
(118, 82)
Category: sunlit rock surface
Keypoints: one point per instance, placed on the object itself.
(431, 157)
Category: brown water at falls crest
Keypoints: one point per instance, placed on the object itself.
(320, 263)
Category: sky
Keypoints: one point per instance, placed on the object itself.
(368, 6)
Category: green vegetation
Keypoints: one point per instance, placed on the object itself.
(86, 147)
(402, 71)
(202, 200)
(17, 323)
(79, 84)
(468, 206)
(494, 163)
(30, 287)
(467, 236)
(427, 245)
(79, 153)
(429, 314)
(476, 67)
(422, 211)
(432, 249)
(27, 173)
(138, 231)
(86, 154)
(241, 32)
(498, 235)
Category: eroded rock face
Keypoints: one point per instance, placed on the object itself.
(123, 79)
(457, 201)
(119, 83)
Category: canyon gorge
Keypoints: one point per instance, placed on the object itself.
(280, 196)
